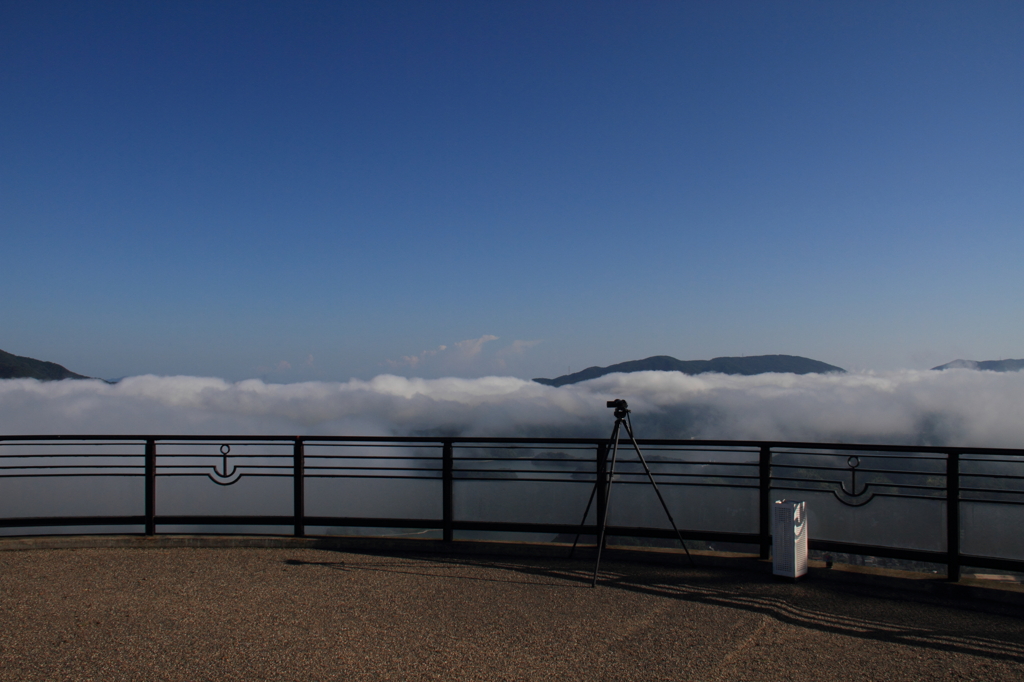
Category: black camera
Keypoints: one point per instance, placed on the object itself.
(619, 404)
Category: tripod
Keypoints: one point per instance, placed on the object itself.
(621, 420)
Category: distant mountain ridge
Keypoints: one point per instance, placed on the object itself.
(18, 367)
(749, 365)
(990, 365)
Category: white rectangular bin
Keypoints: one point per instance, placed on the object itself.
(789, 538)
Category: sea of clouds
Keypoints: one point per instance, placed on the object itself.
(953, 407)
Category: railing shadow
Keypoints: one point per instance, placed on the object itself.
(880, 615)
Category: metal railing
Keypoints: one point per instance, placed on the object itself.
(953, 506)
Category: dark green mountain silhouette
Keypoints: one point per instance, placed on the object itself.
(990, 365)
(18, 367)
(755, 364)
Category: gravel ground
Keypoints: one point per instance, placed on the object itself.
(305, 614)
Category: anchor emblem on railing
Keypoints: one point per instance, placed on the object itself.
(225, 475)
(851, 497)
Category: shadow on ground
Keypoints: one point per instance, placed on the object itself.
(864, 612)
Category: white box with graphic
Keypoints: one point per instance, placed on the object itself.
(789, 538)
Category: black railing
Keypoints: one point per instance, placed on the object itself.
(952, 506)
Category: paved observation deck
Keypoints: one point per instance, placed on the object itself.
(158, 609)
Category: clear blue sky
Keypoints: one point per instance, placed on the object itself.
(318, 190)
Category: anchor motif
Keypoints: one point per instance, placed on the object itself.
(225, 476)
(851, 497)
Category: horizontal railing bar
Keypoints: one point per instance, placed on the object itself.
(873, 484)
(677, 484)
(813, 467)
(42, 521)
(205, 473)
(126, 466)
(360, 522)
(565, 471)
(688, 444)
(530, 446)
(867, 453)
(41, 441)
(232, 455)
(700, 473)
(40, 456)
(433, 469)
(396, 469)
(618, 472)
(637, 478)
(685, 462)
(56, 466)
(366, 522)
(996, 563)
(233, 465)
(71, 475)
(674, 480)
(245, 442)
(402, 457)
(235, 474)
(254, 470)
(370, 468)
(227, 520)
(589, 460)
(896, 495)
(631, 462)
(526, 480)
(83, 465)
(384, 442)
(992, 490)
(589, 529)
(419, 478)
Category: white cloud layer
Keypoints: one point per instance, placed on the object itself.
(955, 407)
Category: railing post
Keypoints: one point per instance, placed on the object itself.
(765, 500)
(601, 491)
(150, 493)
(447, 469)
(299, 480)
(953, 516)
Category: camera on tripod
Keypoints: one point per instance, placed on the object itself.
(620, 406)
(606, 476)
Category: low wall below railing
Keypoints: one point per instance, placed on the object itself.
(946, 506)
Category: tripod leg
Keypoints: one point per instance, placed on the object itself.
(607, 496)
(629, 431)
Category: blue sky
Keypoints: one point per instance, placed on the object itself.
(311, 190)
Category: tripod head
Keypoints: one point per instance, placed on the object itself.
(620, 406)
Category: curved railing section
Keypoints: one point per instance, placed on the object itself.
(952, 506)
